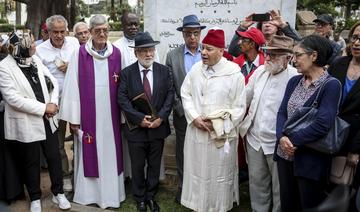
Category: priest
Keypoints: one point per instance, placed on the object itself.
(89, 104)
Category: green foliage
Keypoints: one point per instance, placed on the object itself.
(3, 21)
(318, 6)
(81, 10)
(115, 26)
(10, 27)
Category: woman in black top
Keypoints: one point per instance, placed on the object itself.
(347, 70)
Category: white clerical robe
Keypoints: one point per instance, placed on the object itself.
(108, 189)
(210, 174)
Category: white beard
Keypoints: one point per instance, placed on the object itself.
(146, 63)
(273, 68)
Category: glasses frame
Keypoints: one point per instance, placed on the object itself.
(355, 38)
(189, 34)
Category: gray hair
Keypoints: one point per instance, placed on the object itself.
(78, 24)
(97, 20)
(53, 19)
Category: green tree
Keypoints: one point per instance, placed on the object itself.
(318, 6)
(39, 10)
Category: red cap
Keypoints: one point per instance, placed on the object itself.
(43, 26)
(254, 34)
(215, 37)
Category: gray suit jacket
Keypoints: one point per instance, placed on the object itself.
(175, 61)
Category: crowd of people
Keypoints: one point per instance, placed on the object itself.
(116, 99)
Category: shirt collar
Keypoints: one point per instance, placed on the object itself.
(141, 68)
(187, 51)
(317, 82)
(255, 62)
(101, 51)
(54, 46)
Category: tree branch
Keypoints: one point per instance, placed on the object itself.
(23, 1)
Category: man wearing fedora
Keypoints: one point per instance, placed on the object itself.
(146, 141)
(180, 60)
(213, 97)
(264, 93)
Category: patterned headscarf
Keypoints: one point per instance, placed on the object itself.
(20, 43)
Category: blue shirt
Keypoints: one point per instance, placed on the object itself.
(190, 59)
(347, 87)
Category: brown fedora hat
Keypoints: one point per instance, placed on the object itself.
(280, 44)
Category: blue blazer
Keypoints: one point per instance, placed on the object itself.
(309, 163)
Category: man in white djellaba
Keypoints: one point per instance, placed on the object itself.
(89, 105)
(214, 100)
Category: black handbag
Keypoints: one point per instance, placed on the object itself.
(305, 116)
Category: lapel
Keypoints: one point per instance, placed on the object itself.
(136, 79)
(340, 73)
(181, 56)
(20, 78)
(156, 80)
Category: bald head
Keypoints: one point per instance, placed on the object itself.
(130, 24)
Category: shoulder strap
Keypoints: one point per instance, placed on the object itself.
(328, 79)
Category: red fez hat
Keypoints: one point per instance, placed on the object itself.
(215, 37)
(254, 34)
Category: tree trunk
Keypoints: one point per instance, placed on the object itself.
(347, 9)
(72, 14)
(18, 13)
(39, 10)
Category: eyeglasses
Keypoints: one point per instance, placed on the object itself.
(82, 33)
(98, 31)
(244, 40)
(299, 54)
(189, 34)
(355, 38)
(321, 24)
(273, 56)
(145, 50)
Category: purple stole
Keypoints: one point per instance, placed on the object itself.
(88, 111)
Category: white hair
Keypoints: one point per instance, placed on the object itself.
(97, 20)
(53, 19)
(78, 24)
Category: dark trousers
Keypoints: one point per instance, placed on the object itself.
(298, 193)
(180, 125)
(289, 192)
(61, 148)
(27, 162)
(50, 148)
(145, 187)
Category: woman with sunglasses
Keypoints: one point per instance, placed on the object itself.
(347, 70)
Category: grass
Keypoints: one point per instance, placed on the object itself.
(166, 196)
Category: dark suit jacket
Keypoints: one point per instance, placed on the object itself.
(162, 100)
(175, 61)
(350, 109)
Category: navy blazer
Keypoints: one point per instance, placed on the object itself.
(350, 108)
(309, 163)
(162, 100)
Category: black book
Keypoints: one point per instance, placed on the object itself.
(142, 104)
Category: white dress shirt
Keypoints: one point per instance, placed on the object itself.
(149, 75)
(49, 54)
(262, 132)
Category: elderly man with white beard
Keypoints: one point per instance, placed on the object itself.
(264, 93)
